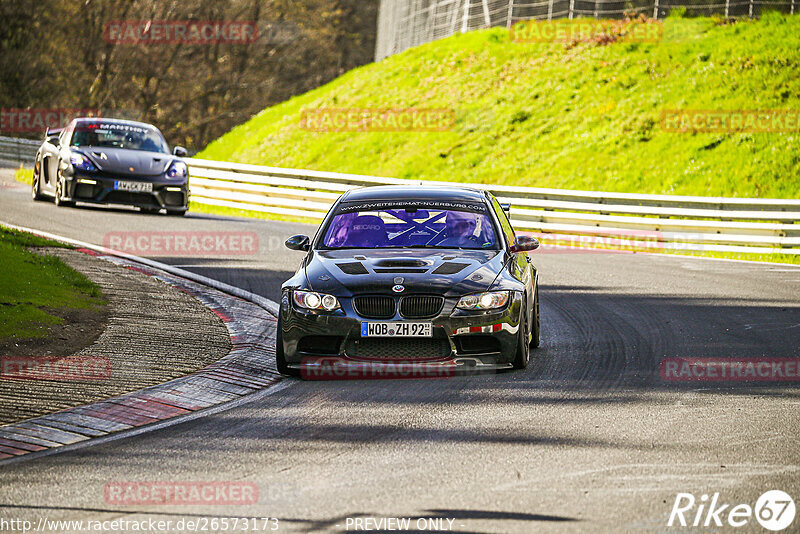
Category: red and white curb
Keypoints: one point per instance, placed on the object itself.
(248, 368)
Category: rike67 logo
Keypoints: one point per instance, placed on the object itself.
(774, 510)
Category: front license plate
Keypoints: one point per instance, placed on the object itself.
(136, 187)
(396, 329)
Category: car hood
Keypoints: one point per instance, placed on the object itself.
(125, 162)
(439, 271)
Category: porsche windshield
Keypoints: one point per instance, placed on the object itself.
(118, 135)
(406, 227)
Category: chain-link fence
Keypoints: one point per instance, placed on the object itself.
(406, 23)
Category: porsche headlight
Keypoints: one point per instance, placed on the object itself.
(177, 169)
(315, 301)
(79, 161)
(484, 301)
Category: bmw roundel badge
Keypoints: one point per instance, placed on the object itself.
(398, 288)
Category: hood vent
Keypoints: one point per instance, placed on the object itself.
(402, 263)
(450, 268)
(352, 268)
(400, 270)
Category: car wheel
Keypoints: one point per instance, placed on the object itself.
(60, 192)
(149, 211)
(535, 327)
(280, 359)
(36, 188)
(176, 213)
(523, 347)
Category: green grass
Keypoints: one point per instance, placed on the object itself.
(563, 116)
(32, 285)
(24, 175)
(550, 115)
(771, 258)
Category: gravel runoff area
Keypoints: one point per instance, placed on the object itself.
(155, 333)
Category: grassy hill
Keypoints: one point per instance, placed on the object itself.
(576, 116)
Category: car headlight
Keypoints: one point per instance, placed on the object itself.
(484, 301)
(315, 301)
(79, 161)
(177, 169)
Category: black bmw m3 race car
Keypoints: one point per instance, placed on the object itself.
(416, 277)
(111, 161)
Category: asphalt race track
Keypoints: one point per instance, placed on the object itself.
(588, 438)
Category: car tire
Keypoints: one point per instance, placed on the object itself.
(536, 326)
(149, 211)
(280, 359)
(36, 185)
(523, 354)
(59, 193)
(176, 213)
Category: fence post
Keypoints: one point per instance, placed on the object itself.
(728, 6)
(655, 10)
(487, 19)
(751, 9)
(19, 151)
(571, 8)
(550, 10)
(792, 11)
(510, 13)
(465, 20)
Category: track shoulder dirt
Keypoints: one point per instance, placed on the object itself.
(154, 333)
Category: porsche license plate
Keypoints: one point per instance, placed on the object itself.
(135, 187)
(396, 329)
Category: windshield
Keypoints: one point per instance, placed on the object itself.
(405, 226)
(113, 135)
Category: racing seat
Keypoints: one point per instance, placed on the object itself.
(367, 231)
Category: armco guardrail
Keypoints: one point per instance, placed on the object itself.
(18, 151)
(616, 219)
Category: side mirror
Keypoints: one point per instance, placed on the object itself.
(53, 140)
(180, 152)
(524, 243)
(506, 208)
(299, 242)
